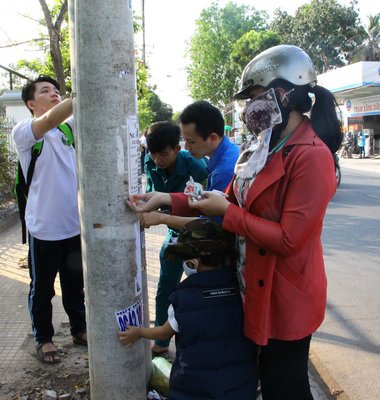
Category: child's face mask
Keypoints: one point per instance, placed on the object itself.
(189, 267)
(262, 112)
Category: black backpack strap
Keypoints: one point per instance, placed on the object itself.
(22, 185)
(20, 189)
(36, 151)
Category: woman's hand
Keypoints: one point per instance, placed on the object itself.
(151, 219)
(212, 204)
(148, 201)
(130, 336)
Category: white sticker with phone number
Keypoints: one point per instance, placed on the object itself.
(132, 315)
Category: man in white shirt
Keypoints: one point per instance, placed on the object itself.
(51, 215)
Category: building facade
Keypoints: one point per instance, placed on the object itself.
(357, 90)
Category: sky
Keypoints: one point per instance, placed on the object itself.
(169, 26)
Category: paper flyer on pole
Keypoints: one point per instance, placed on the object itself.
(133, 155)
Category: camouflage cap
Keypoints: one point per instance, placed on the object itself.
(201, 237)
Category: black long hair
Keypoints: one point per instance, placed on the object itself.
(323, 116)
(324, 119)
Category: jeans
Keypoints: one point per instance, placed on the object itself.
(170, 276)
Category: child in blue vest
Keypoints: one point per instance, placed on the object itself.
(213, 358)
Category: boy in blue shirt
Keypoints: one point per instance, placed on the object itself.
(168, 169)
(202, 129)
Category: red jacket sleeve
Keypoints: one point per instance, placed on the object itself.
(311, 184)
(180, 206)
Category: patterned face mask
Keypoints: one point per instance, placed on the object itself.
(262, 112)
(252, 160)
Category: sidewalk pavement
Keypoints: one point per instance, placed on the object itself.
(16, 342)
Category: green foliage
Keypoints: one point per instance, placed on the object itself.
(45, 66)
(161, 110)
(282, 24)
(150, 107)
(146, 115)
(212, 73)
(325, 29)
(250, 45)
(175, 117)
(7, 163)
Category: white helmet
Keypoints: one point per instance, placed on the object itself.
(279, 62)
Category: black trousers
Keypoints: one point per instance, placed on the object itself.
(283, 367)
(46, 259)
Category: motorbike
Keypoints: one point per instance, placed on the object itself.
(347, 150)
(348, 147)
(338, 173)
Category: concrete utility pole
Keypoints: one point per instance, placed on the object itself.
(108, 169)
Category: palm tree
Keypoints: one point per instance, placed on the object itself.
(370, 49)
(374, 37)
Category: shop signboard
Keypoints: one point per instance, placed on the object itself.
(362, 106)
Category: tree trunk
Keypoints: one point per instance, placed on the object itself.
(54, 37)
(56, 57)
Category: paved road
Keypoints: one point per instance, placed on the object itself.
(348, 342)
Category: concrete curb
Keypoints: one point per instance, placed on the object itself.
(324, 378)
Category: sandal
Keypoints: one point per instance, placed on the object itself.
(47, 357)
(80, 338)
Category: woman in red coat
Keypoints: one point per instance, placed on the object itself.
(284, 180)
